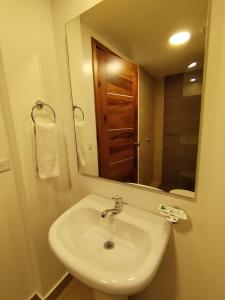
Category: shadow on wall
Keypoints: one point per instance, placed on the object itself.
(165, 279)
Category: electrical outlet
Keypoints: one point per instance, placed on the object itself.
(4, 165)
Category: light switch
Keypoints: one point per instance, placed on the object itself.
(4, 165)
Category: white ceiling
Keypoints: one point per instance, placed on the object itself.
(142, 28)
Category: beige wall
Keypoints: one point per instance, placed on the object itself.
(146, 89)
(83, 89)
(158, 132)
(31, 73)
(17, 281)
(193, 267)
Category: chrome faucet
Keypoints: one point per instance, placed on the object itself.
(118, 207)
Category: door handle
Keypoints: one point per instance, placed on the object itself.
(137, 144)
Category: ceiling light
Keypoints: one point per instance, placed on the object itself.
(192, 65)
(179, 38)
(192, 79)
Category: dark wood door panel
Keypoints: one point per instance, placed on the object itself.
(119, 76)
(121, 138)
(116, 105)
(120, 111)
(121, 145)
(119, 153)
(115, 87)
(122, 169)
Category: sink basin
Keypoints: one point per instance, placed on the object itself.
(117, 256)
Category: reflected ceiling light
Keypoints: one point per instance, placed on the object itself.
(192, 79)
(113, 67)
(180, 38)
(192, 65)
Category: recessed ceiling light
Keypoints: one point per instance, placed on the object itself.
(192, 79)
(180, 38)
(192, 65)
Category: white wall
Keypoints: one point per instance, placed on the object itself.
(194, 266)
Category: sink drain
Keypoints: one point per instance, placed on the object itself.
(109, 245)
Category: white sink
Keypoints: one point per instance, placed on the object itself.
(77, 238)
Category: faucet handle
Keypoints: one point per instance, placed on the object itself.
(118, 199)
(119, 204)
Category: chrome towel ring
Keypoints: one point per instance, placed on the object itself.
(39, 104)
(80, 109)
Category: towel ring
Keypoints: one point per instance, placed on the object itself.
(80, 109)
(39, 104)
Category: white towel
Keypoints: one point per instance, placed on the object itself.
(46, 149)
(82, 148)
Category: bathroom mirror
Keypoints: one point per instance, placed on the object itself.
(136, 70)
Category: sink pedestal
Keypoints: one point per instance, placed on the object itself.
(102, 296)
